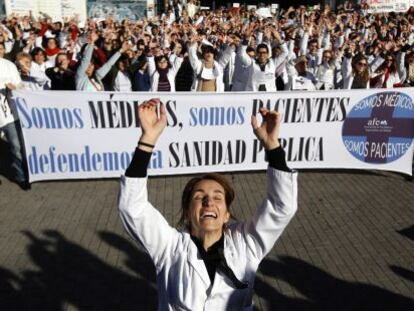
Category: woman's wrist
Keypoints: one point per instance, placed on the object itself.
(271, 145)
(145, 147)
(149, 139)
(143, 143)
(147, 143)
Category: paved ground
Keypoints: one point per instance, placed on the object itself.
(350, 246)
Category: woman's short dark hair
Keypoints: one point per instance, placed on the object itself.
(124, 59)
(54, 39)
(161, 57)
(262, 46)
(188, 192)
(141, 63)
(36, 51)
(57, 58)
(208, 49)
(250, 49)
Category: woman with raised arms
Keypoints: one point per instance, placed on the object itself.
(209, 263)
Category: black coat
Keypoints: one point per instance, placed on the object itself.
(64, 81)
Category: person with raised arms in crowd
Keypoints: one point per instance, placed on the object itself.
(39, 59)
(329, 39)
(208, 73)
(210, 262)
(141, 81)
(89, 79)
(408, 62)
(389, 73)
(61, 76)
(326, 72)
(262, 71)
(299, 78)
(162, 71)
(33, 77)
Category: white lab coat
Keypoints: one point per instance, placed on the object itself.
(256, 77)
(396, 77)
(348, 76)
(242, 63)
(8, 74)
(325, 76)
(182, 278)
(172, 72)
(228, 73)
(198, 67)
(298, 82)
(37, 80)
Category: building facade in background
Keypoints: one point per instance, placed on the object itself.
(2, 8)
(119, 9)
(282, 4)
(57, 9)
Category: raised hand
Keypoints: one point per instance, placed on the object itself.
(125, 46)
(152, 125)
(268, 131)
(11, 86)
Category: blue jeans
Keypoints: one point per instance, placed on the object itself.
(16, 150)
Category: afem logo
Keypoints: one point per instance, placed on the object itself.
(377, 122)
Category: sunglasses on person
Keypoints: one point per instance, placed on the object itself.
(363, 64)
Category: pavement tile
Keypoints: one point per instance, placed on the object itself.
(350, 246)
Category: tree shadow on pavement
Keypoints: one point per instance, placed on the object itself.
(68, 274)
(407, 232)
(321, 290)
(403, 272)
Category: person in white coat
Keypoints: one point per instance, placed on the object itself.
(241, 66)
(210, 264)
(262, 71)
(9, 121)
(356, 72)
(325, 72)
(33, 78)
(390, 73)
(162, 72)
(87, 77)
(208, 73)
(408, 67)
(299, 78)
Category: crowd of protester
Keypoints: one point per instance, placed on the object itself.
(188, 49)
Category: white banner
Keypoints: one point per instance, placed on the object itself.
(383, 6)
(93, 135)
(20, 7)
(56, 9)
(150, 9)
